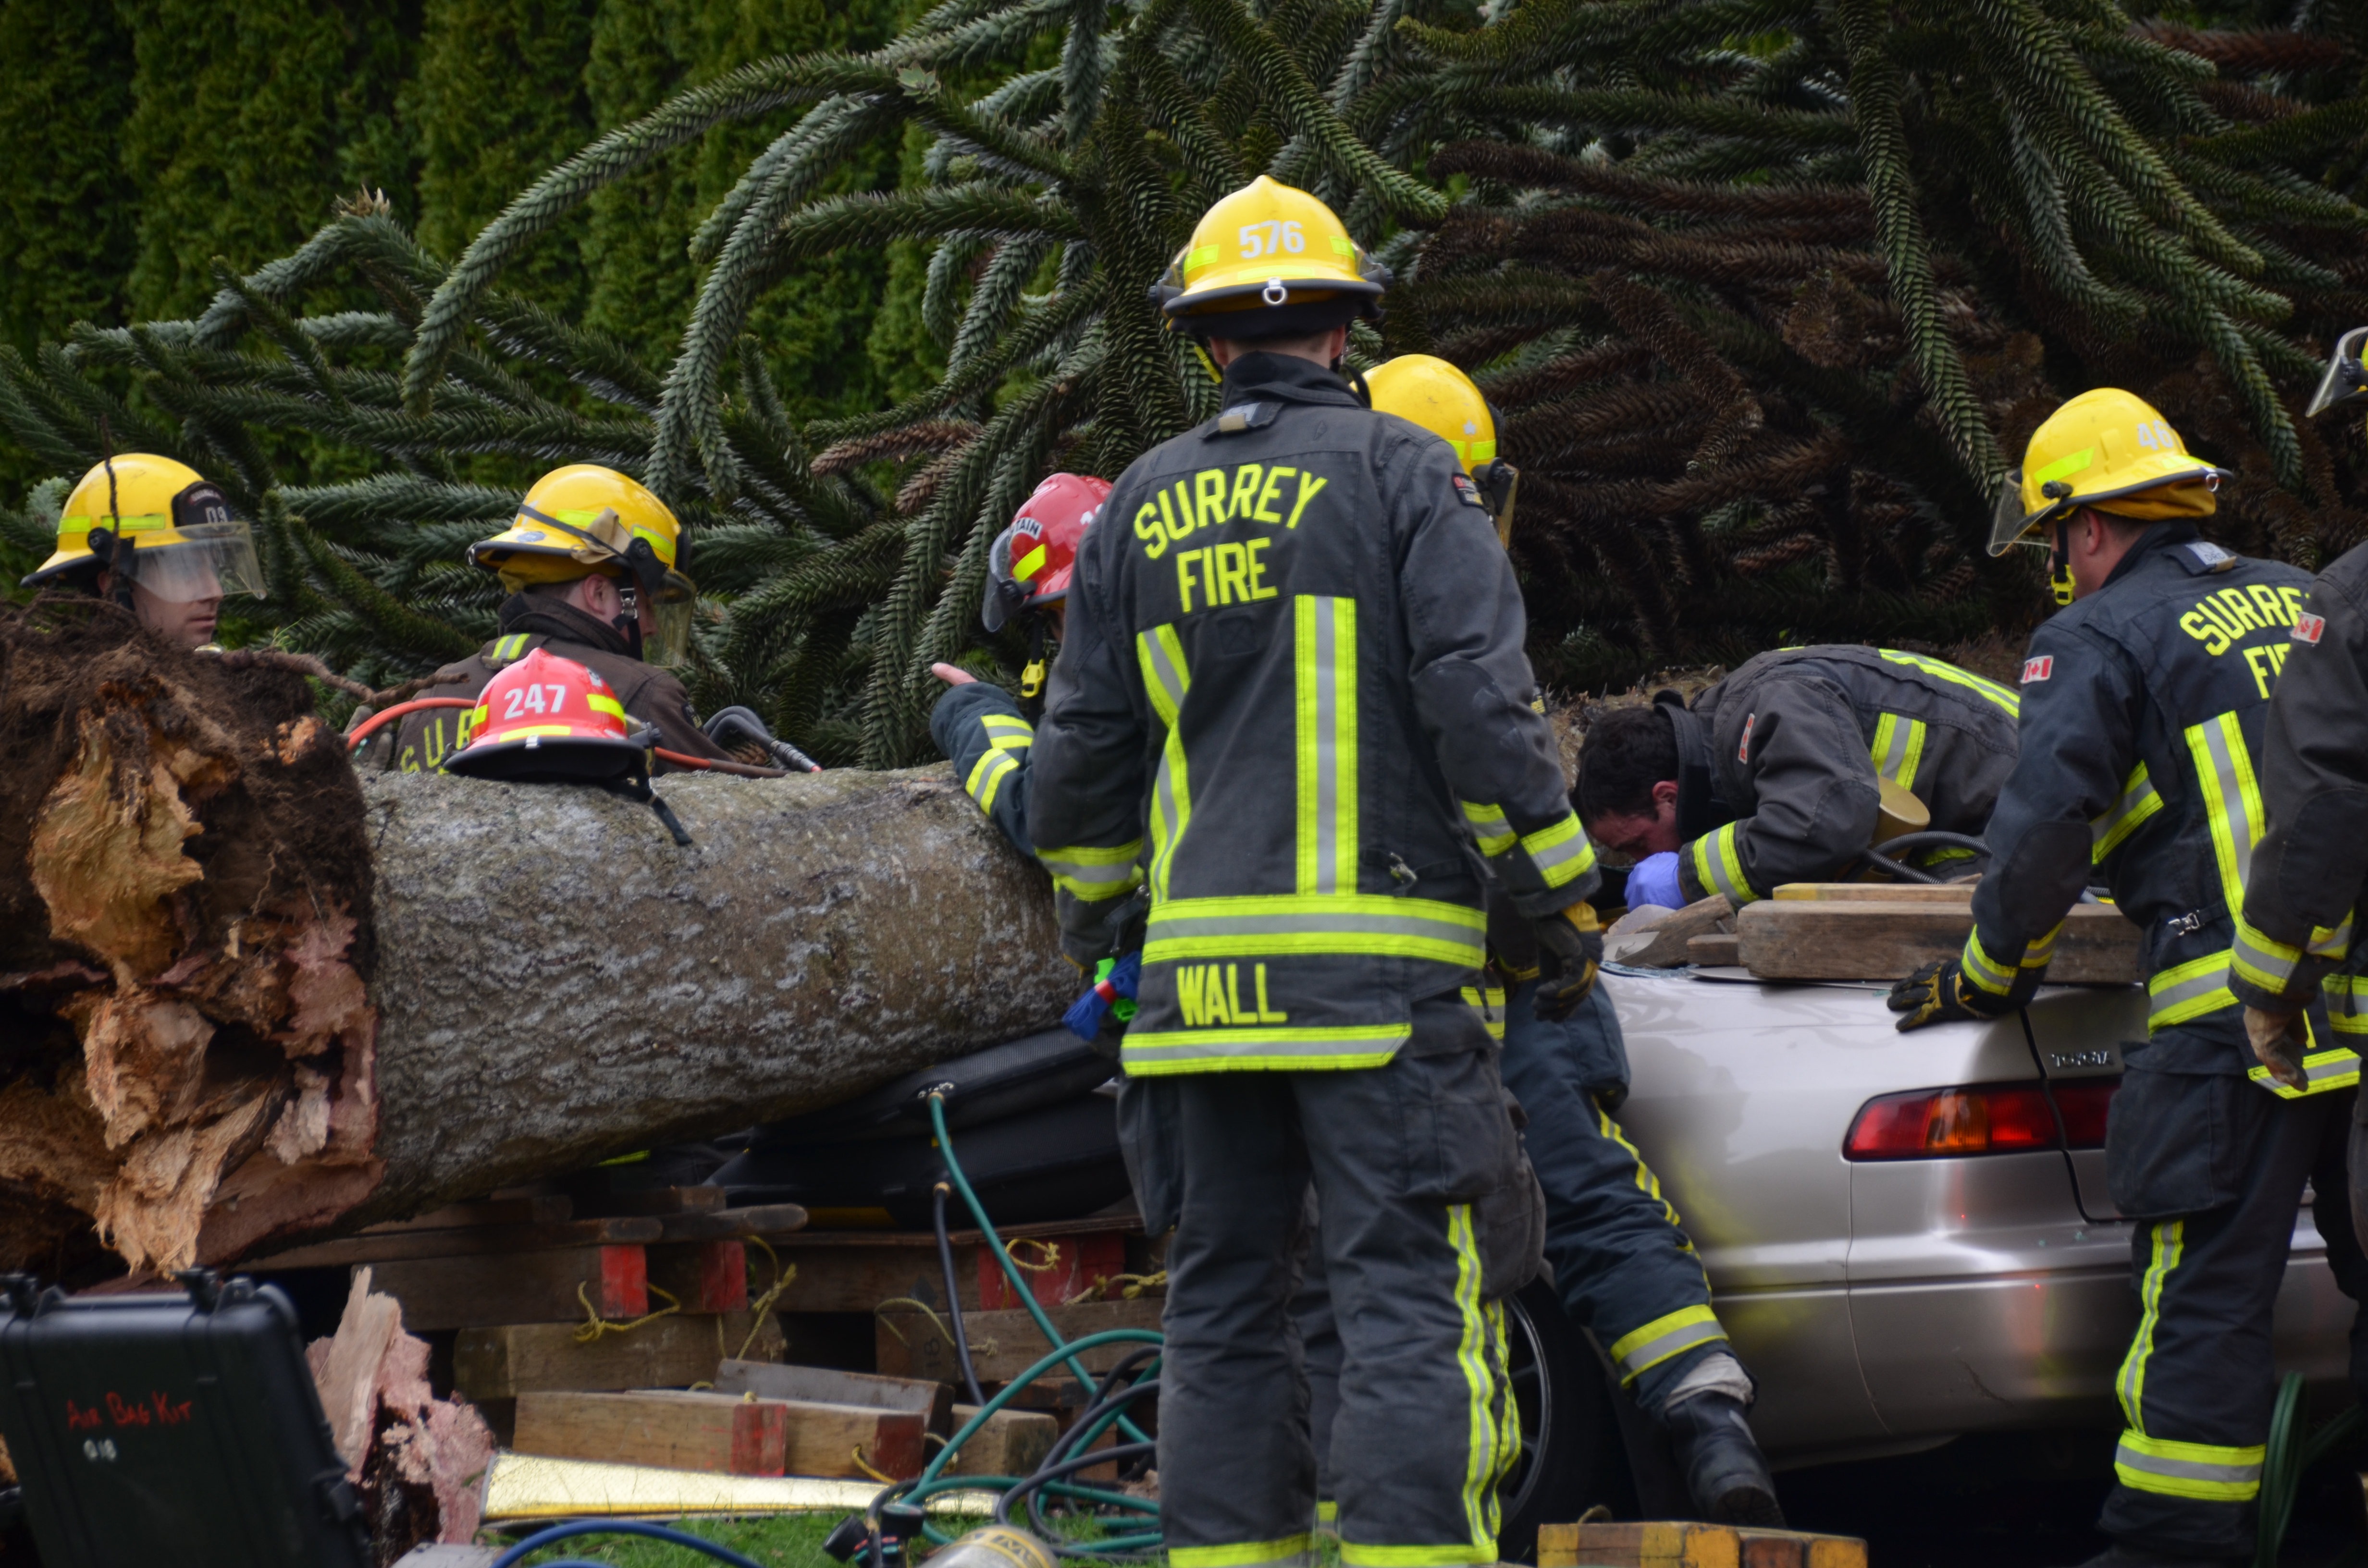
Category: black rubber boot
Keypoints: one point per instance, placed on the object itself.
(1725, 1470)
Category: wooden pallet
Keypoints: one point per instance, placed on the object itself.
(1884, 931)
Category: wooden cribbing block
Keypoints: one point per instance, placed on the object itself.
(1876, 893)
(840, 1440)
(1004, 1345)
(1687, 1545)
(704, 1276)
(1055, 1268)
(827, 1385)
(1887, 940)
(535, 1357)
(669, 1430)
(491, 1242)
(1013, 1442)
(530, 1287)
(1715, 948)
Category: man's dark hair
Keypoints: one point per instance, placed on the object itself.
(1624, 754)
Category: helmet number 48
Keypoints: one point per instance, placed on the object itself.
(528, 698)
(1276, 236)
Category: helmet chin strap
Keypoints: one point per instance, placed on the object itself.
(2059, 562)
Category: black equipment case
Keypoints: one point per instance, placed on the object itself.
(172, 1429)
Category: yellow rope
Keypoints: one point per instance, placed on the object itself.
(880, 1311)
(594, 1325)
(860, 1464)
(1052, 1254)
(781, 1280)
(1135, 1285)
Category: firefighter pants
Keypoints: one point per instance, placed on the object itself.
(1621, 1263)
(2218, 1165)
(1399, 1157)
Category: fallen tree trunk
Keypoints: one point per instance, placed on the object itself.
(245, 995)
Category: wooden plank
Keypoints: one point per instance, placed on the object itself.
(467, 1241)
(1003, 1344)
(829, 1385)
(659, 1201)
(543, 1210)
(854, 1271)
(842, 1440)
(1718, 948)
(535, 1287)
(702, 1276)
(1056, 1269)
(533, 1357)
(1876, 893)
(1845, 940)
(1013, 1442)
(1683, 1544)
(728, 1224)
(673, 1431)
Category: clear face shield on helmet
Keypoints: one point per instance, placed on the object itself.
(1500, 484)
(672, 604)
(2345, 380)
(208, 561)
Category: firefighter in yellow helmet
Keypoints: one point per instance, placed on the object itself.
(1293, 710)
(159, 537)
(592, 563)
(2142, 711)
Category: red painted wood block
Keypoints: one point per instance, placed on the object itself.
(1055, 1268)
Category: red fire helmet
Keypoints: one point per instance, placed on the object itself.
(1033, 559)
(548, 719)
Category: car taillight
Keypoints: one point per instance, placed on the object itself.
(2082, 1103)
(1979, 1118)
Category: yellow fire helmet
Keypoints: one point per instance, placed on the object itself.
(1268, 261)
(2346, 376)
(585, 519)
(1441, 399)
(2108, 449)
(161, 525)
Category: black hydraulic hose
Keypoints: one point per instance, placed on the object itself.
(1084, 1424)
(1054, 1470)
(954, 1295)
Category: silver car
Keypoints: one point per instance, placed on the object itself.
(1900, 1242)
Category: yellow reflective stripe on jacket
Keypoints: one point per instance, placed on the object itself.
(987, 776)
(1166, 680)
(1898, 748)
(1260, 926)
(1488, 1003)
(1998, 976)
(1561, 853)
(1262, 1048)
(1479, 1356)
(507, 650)
(1092, 873)
(1718, 868)
(1941, 669)
(2271, 964)
(2205, 1471)
(2337, 1067)
(2139, 800)
(2347, 1003)
(607, 705)
(1488, 823)
(1640, 1350)
(2232, 798)
(1006, 732)
(1324, 663)
(2188, 991)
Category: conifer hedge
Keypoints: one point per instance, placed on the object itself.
(1768, 293)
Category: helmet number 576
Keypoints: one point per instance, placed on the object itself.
(524, 698)
(1275, 236)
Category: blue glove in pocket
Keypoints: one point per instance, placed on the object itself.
(1655, 881)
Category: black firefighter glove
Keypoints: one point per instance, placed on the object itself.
(1937, 993)
(1570, 946)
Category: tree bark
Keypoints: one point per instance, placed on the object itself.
(558, 982)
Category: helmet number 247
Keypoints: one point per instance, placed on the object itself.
(524, 699)
(1273, 237)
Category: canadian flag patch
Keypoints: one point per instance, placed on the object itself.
(1743, 752)
(2309, 627)
(2038, 669)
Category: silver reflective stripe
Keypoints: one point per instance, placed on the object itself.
(2229, 1475)
(2347, 1003)
(2139, 801)
(1199, 1045)
(1324, 670)
(2327, 944)
(2263, 962)
(2194, 988)
(1573, 850)
(2230, 798)
(1112, 875)
(1167, 926)
(1166, 683)
(1652, 1352)
(1899, 748)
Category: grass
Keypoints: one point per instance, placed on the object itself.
(793, 1541)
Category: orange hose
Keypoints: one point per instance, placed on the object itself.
(717, 765)
(371, 723)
